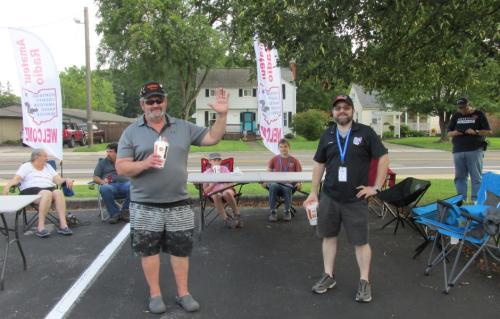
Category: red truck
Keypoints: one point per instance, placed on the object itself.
(72, 134)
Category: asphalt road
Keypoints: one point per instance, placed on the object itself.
(405, 161)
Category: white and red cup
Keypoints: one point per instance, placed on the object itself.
(160, 150)
(216, 169)
(312, 213)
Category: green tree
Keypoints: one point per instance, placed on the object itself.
(163, 38)
(73, 90)
(7, 98)
(310, 124)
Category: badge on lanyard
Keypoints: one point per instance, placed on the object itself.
(343, 150)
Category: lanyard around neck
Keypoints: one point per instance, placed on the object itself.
(343, 148)
(284, 169)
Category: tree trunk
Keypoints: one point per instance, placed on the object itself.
(444, 119)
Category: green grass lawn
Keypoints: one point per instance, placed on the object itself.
(440, 188)
(435, 143)
(223, 146)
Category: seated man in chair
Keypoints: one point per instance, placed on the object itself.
(226, 193)
(38, 177)
(112, 186)
(282, 163)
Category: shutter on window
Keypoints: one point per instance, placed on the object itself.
(253, 117)
(240, 92)
(241, 117)
(254, 92)
(206, 119)
(289, 119)
(207, 92)
(283, 90)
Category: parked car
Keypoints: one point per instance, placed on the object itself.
(72, 134)
(99, 135)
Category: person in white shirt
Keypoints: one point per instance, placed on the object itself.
(38, 177)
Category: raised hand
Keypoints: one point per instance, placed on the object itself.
(221, 101)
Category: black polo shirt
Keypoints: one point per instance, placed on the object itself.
(466, 143)
(363, 145)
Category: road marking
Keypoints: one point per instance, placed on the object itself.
(70, 298)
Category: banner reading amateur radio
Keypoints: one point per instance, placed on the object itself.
(270, 102)
(40, 93)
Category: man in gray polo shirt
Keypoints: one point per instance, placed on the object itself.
(161, 217)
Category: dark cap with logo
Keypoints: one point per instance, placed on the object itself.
(462, 101)
(342, 98)
(152, 88)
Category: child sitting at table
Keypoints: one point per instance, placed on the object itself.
(222, 192)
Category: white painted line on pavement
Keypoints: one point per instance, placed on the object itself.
(70, 298)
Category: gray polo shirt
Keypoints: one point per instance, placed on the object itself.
(167, 184)
(105, 168)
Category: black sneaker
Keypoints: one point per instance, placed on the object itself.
(273, 216)
(364, 293)
(114, 219)
(326, 282)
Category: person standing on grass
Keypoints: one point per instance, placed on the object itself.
(344, 151)
(468, 128)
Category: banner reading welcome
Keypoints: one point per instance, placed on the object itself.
(270, 102)
(40, 93)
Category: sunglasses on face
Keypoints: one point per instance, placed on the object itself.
(153, 101)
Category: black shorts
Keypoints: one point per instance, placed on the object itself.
(176, 243)
(35, 190)
(354, 217)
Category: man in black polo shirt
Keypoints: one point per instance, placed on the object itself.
(344, 151)
(468, 127)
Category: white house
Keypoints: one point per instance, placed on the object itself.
(371, 111)
(242, 88)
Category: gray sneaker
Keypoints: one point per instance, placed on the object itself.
(364, 293)
(188, 303)
(156, 305)
(230, 222)
(273, 216)
(326, 282)
(287, 216)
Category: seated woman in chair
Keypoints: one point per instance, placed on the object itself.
(282, 163)
(222, 193)
(38, 177)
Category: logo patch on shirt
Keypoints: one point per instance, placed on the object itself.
(357, 140)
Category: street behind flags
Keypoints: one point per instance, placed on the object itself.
(270, 102)
(40, 93)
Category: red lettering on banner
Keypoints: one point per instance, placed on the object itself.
(38, 71)
(38, 135)
(25, 65)
(270, 135)
(269, 65)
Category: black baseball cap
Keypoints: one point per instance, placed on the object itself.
(462, 101)
(342, 98)
(152, 88)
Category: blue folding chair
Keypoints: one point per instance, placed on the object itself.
(456, 226)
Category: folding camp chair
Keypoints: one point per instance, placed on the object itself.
(473, 225)
(29, 221)
(400, 199)
(206, 198)
(281, 200)
(375, 205)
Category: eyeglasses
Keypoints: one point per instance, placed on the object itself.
(345, 108)
(153, 101)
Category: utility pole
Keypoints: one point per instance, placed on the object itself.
(87, 78)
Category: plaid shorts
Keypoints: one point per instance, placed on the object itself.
(169, 229)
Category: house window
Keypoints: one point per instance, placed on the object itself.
(374, 121)
(212, 92)
(247, 92)
(213, 117)
(209, 92)
(287, 119)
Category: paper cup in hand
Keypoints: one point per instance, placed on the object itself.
(216, 169)
(160, 149)
(312, 213)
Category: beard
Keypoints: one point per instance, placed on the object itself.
(155, 115)
(343, 120)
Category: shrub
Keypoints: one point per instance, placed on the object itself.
(310, 124)
(404, 130)
(289, 136)
(387, 135)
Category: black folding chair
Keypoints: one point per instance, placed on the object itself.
(400, 199)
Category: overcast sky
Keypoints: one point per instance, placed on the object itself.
(53, 21)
